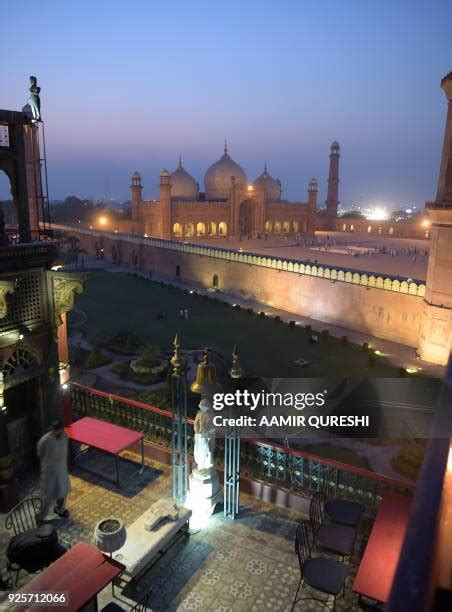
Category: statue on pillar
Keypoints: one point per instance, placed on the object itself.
(34, 100)
(204, 437)
(204, 486)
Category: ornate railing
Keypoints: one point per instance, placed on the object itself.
(356, 277)
(290, 468)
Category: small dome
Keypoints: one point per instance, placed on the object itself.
(183, 185)
(136, 175)
(217, 180)
(271, 186)
(164, 173)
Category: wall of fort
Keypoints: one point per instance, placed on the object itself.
(419, 229)
(382, 306)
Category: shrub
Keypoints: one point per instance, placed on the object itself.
(236, 307)
(308, 327)
(277, 319)
(292, 324)
(262, 314)
(365, 346)
(344, 340)
(402, 372)
(96, 358)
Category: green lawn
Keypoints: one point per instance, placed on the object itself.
(118, 302)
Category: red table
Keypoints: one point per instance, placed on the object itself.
(82, 573)
(105, 437)
(379, 563)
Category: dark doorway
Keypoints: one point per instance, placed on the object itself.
(247, 217)
(23, 420)
(178, 271)
(215, 281)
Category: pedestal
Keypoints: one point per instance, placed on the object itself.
(204, 493)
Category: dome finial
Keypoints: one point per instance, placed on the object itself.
(225, 146)
(180, 160)
(265, 166)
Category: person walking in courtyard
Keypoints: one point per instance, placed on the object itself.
(54, 479)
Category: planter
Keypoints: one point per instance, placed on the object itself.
(109, 534)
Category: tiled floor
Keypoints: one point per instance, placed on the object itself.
(244, 565)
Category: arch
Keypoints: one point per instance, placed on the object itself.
(222, 228)
(189, 230)
(369, 229)
(277, 227)
(379, 230)
(344, 227)
(211, 228)
(391, 230)
(286, 227)
(248, 216)
(352, 228)
(215, 281)
(268, 228)
(200, 229)
(296, 227)
(19, 363)
(177, 230)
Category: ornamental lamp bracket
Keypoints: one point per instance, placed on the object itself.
(64, 287)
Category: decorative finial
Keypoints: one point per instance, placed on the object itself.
(180, 160)
(235, 371)
(225, 147)
(175, 359)
(265, 167)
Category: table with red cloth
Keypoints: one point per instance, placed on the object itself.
(106, 437)
(81, 573)
(379, 563)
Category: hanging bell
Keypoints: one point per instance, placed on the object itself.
(206, 376)
(235, 371)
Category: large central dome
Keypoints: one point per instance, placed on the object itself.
(217, 180)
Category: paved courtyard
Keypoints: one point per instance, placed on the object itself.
(244, 565)
(407, 260)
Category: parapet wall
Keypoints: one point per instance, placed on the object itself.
(383, 306)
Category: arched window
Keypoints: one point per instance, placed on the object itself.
(222, 228)
(352, 227)
(286, 227)
(391, 230)
(189, 230)
(369, 229)
(344, 227)
(177, 230)
(296, 227)
(379, 230)
(277, 227)
(268, 227)
(215, 281)
(201, 229)
(211, 228)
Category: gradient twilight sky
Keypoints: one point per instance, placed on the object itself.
(128, 85)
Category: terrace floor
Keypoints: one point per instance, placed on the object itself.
(247, 564)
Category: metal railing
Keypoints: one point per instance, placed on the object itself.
(295, 469)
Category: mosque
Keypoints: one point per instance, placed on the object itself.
(230, 205)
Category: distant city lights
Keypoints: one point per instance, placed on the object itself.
(378, 213)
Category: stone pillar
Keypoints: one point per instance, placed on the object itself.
(136, 188)
(436, 324)
(332, 198)
(165, 205)
(312, 205)
(233, 228)
(9, 491)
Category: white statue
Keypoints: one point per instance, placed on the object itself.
(204, 437)
(34, 100)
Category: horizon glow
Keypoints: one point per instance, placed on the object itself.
(129, 87)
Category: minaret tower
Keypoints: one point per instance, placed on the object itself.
(436, 325)
(136, 188)
(332, 198)
(312, 204)
(165, 205)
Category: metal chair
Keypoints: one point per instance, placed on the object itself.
(337, 539)
(23, 517)
(342, 511)
(140, 606)
(320, 573)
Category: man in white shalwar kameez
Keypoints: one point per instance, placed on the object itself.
(55, 485)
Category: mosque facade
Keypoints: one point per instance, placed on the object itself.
(230, 205)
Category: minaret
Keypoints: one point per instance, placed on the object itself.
(332, 198)
(136, 188)
(312, 205)
(436, 324)
(165, 205)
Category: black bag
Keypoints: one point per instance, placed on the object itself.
(34, 549)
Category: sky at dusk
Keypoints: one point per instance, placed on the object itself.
(129, 85)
